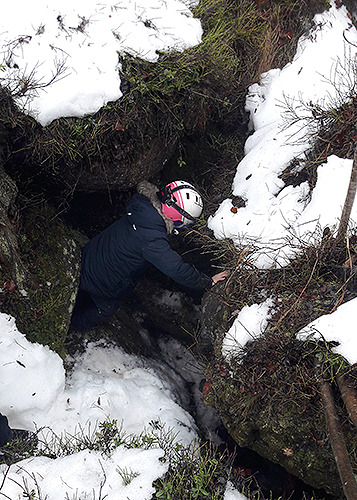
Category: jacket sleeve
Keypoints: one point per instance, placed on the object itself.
(159, 253)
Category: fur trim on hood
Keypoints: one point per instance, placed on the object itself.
(149, 190)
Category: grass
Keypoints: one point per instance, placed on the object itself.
(194, 471)
(183, 93)
(315, 282)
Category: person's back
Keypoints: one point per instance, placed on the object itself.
(116, 258)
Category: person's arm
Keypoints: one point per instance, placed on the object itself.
(159, 253)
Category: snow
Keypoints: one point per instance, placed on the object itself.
(276, 217)
(87, 474)
(232, 494)
(81, 41)
(26, 396)
(249, 324)
(105, 382)
(338, 327)
(170, 300)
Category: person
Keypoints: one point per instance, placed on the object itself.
(114, 260)
(5, 431)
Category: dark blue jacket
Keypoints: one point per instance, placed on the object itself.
(115, 259)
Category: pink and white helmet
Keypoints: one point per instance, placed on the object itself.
(181, 202)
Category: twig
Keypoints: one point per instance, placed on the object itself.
(350, 197)
(349, 396)
(349, 253)
(3, 482)
(337, 442)
(102, 483)
(220, 299)
(301, 294)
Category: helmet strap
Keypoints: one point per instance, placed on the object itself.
(165, 195)
(180, 210)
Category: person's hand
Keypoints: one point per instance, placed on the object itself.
(219, 277)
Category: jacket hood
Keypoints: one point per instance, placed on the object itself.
(150, 191)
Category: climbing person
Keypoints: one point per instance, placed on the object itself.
(114, 260)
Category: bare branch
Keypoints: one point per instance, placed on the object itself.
(337, 442)
(350, 198)
(349, 396)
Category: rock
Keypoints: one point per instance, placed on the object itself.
(266, 407)
(123, 171)
(39, 268)
(10, 258)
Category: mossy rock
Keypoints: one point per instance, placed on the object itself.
(42, 294)
(277, 425)
(267, 393)
(289, 438)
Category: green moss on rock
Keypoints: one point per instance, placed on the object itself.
(51, 263)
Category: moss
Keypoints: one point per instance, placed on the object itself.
(267, 395)
(268, 399)
(277, 429)
(181, 94)
(52, 259)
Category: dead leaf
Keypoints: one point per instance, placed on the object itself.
(288, 452)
